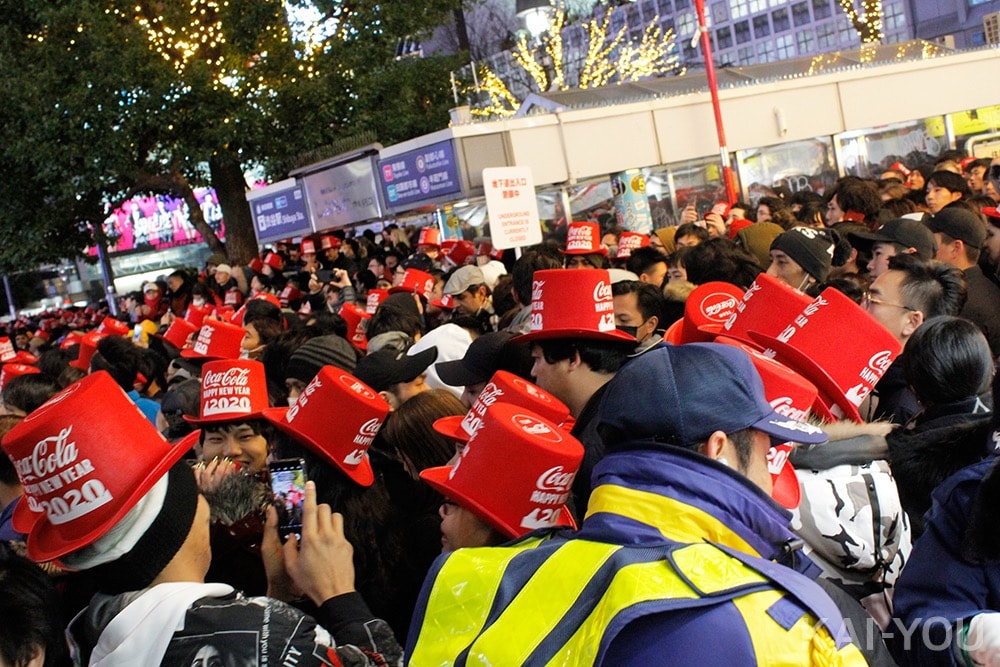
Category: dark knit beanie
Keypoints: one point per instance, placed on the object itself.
(160, 543)
(810, 248)
(321, 351)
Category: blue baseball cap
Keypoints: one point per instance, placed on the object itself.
(681, 394)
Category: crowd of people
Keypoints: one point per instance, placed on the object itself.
(765, 435)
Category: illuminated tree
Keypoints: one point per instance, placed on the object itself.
(609, 59)
(104, 99)
(869, 24)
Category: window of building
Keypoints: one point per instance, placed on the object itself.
(761, 26)
(784, 47)
(765, 51)
(720, 12)
(724, 37)
(893, 15)
(973, 3)
(745, 55)
(757, 6)
(742, 32)
(805, 41)
(821, 9)
(800, 14)
(739, 8)
(686, 24)
(826, 36)
(846, 32)
(780, 20)
(682, 4)
(664, 7)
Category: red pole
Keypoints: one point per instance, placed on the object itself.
(728, 177)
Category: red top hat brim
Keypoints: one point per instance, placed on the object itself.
(77, 364)
(23, 357)
(221, 419)
(361, 474)
(722, 333)
(437, 479)
(191, 354)
(599, 251)
(45, 543)
(613, 336)
(451, 427)
(673, 333)
(785, 487)
(804, 365)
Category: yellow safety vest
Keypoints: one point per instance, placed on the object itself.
(561, 602)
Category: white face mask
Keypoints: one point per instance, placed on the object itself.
(198, 301)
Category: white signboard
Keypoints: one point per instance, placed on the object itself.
(512, 207)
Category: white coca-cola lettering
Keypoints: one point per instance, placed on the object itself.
(880, 361)
(49, 456)
(602, 291)
(370, 428)
(232, 377)
(536, 290)
(783, 406)
(554, 479)
(776, 459)
(578, 238)
(489, 395)
(716, 308)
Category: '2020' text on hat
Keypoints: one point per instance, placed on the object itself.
(231, 390)
(584, 238)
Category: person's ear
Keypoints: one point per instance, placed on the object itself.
(391, 399)
(714, 446)
(914, 319)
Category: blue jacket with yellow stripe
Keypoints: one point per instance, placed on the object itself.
(673, 565)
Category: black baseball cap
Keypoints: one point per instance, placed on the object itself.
(482, 359)
(960, 224)
(387, 367)
(902, 231)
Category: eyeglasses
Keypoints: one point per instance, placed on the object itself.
(994, 173)
(869, 299)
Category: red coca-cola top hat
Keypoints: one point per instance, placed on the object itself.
(767, 306)
(515, 472)
(506, 388)
(88, 346)
(308, 247)
(784, 482)
(327, 242)
(216, 340)
(232, 390)
(71, 339)
(721, 208)
(178, 332)
(85, 458)
(274, 260)
(10, 371)
(460, 253)
(357, 325)
(629, 241)
(8, 355)
(446, 302)
(110, 325)
(374, 298)
(196, 314)
(844, 374)
(673, 333)
(584, 238)
(707, 308)
(256, 265)
(415, 281)
(484, 246)
(573, 303)
(429, 236)
(337, 416)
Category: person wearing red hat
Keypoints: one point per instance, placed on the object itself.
(482, 510)
(583, 246)
(577, 350)
(678, 526)
(428, 242)
(140, 528)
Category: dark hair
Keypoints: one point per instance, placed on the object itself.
(947, 359)
(600, 356)
(721, 259)
(8, 474)
(32, 613)
(650, 300)
(691, 229)
(180, 399)
(266, 328)
(857, 194)
(329, 323)
(260, 427)
(642, 260)
(410, 434)
(397, 313)
(897, 208)
(932, 287)
(773, 204)
(524, 271)
(950, 181)
(119, 357)
(28, 392)
(153, 367)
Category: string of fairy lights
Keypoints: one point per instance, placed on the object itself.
(608, 60)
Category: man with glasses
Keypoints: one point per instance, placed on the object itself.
(909, 293)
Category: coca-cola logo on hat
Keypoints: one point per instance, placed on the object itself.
(718, 306)
(535, 428)
(532, 390)
(357, 386)
(226, 391)
(783, 406)
(363, 440)
(50, 474)
(473, 419)
(578, 237)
